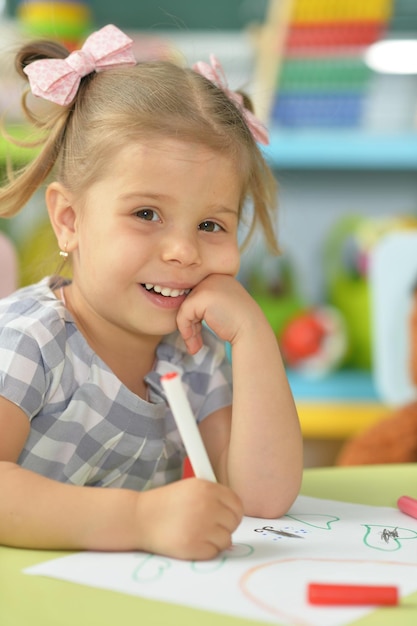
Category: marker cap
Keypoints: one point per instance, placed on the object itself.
(407, 505)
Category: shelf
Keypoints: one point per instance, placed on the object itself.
(337, 406)
(345, 385)
(322, 149)
(336, 420)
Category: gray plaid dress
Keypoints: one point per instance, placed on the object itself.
(87, 428)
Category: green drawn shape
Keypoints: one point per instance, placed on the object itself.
(237, 551)
(373, 538)
(150, 569)
(315, 520)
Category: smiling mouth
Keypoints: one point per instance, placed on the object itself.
(166, 291)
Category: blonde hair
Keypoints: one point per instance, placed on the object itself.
(122, 105)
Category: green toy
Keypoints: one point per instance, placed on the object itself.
(348, 291)
(271, 284)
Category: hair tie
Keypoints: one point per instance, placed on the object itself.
(58, 80)
(215, 73)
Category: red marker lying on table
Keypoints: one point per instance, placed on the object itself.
(352, 595)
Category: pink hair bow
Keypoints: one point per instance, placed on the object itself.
(215, 73)
(58, 80)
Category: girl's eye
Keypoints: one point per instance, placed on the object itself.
(147, 214)
(210, 227)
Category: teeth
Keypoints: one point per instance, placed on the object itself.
(166, 291)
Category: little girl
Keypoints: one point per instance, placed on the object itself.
(152, 167)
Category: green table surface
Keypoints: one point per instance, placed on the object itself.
(37, 601)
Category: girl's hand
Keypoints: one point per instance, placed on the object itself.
(224, 304)
(190, 519)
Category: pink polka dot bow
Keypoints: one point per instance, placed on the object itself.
(58, 80)
(215, 73)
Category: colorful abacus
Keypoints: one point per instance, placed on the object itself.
(323, 79)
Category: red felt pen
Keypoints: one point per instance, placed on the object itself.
(353, 595)
(408, 505)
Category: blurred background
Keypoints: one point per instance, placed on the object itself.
(341, 108)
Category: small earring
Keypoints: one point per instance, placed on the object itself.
(64, 252)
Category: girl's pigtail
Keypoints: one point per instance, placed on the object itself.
(49, 124)
(263, 188)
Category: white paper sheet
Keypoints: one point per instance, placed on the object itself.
(264, 576)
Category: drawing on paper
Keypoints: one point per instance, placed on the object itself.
(389, 539)
(264, 576)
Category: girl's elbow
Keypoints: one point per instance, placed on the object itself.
(276, 505)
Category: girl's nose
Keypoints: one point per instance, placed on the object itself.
(181, 248)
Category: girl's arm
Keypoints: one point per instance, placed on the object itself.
(190, 519)
(258, 453)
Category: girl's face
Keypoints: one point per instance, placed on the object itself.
(165, 218)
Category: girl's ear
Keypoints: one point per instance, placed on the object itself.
(62, 215)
